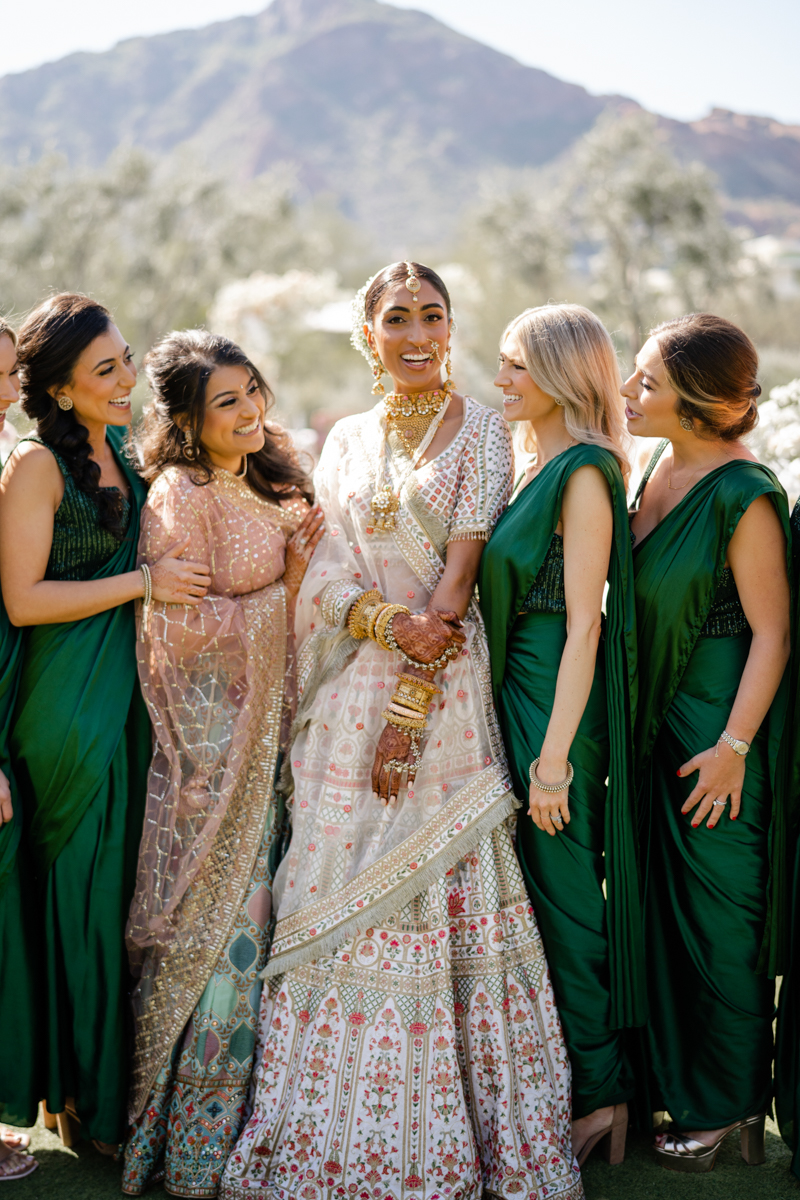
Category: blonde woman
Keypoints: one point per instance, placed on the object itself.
(564, 682)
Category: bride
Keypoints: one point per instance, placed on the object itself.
(409, 1044)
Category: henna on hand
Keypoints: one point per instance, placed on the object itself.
(425, 636)
(178, 582)
(301, 547)
(393, 744)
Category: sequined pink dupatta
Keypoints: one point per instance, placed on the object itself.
(214, 679)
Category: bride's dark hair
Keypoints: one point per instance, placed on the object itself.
(49, 344)
(178, 369)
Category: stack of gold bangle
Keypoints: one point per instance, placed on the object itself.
(370, 616)
(408, 707)
(383, 624)
(363, 614)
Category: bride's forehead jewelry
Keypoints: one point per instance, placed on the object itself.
(412, 282)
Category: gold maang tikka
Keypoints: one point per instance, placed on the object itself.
(413, 282)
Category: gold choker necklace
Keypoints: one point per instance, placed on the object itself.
(411, 415)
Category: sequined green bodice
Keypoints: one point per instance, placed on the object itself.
(726, 618)
(80, 546)
(547, 593)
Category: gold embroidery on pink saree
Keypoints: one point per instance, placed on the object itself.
(351, 861)
(214, 679)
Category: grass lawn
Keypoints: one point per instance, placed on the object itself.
(85, 1175)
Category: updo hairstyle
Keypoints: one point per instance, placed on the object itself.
(711, 364)
(49, 344)
(178, 369)
(398, 273)
(568, 353)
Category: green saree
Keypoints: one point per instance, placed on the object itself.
(593, 945)
(787, 1036)
(21, 1067)
(80, 749)
(710, 926)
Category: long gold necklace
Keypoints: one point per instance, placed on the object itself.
(417, 419)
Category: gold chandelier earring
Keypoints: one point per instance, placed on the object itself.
(449, 385)
(378, 370)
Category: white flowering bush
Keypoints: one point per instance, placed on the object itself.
(776, 439)
(265, 314)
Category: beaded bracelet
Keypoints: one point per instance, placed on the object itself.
(386, 615)
(441, 661)
(551, 788)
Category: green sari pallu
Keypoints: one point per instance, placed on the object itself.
(80, 749)
(787, 1037)
(714, 898)
(21, 985)
(593, 944)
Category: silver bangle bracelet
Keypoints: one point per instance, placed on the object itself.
(551, 788)
(147, 599)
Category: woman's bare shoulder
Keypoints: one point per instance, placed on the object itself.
(31, 466)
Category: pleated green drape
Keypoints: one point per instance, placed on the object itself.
(715, 899)
(80, 744)
(509, 567)
(21, 978)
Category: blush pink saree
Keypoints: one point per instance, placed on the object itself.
(216, 680)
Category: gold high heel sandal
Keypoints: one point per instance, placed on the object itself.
(681, 1153)
(612, 1138)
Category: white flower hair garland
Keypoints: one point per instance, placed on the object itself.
(358, 319)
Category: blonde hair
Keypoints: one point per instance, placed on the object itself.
(568, 353)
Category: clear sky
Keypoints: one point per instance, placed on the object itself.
(678, 57)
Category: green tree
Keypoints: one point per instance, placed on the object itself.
(652, 230)
(153, 241)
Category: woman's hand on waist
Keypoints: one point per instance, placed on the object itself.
(179, 582)
(300, 548)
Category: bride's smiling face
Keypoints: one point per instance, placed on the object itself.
(411, 337)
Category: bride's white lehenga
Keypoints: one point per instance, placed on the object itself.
(409, 1043)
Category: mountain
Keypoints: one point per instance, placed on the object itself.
(387, 110)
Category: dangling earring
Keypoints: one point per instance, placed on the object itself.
(686, 424)
(378, 369)
(64, 403)
(190, 450)
(448, 386)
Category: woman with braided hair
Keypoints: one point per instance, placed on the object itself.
(408, 1039)
(79, 738)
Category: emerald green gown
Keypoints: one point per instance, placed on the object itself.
(80, 749)
(787, 1036)
(713, 938)
(593, 945)
(21, 983)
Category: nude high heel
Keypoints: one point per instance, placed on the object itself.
(612, 1138)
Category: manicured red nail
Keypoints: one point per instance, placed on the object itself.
(678, 774)
(695, 824)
